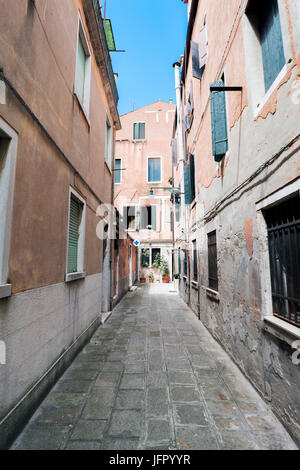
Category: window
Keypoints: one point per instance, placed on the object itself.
(154, 169)
(185, 262)
(179, 261)
(83, 70)
(195, 261)
(145, 258)
(139, 131)
(265, 21)
(283, 224)
(155, 252)
(130, 217)
(189, 180)
(118, 172)
(8, 156)
(212, 261)
(75, 257)
(219, 121)
(108, 142)
(148, 217)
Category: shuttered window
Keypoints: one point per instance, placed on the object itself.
(83, 70)
(218, 122)
(108, 142)
(80, 70)
(265, 18)
(171, 219)
(154, 170)
(147, 217)
(118, 174)
(189, 180)
(138, 131)
(74, 222)
(179, 261)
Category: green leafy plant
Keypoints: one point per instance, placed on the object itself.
(176, 276)
(151, 277)
(164, 268)
(157, 261)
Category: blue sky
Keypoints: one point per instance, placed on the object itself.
(153, 34)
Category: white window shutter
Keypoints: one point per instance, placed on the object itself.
(203, 47)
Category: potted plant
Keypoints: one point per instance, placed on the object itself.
(176, 281)
(151, 277)
(164, 269)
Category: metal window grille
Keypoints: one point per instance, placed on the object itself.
(195, 265)
(283, 223)
(185, 263)
(212, 261)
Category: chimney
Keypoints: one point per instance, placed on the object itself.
(170, 101)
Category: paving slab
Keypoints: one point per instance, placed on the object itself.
(152, 377)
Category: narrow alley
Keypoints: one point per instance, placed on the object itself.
(152, 377)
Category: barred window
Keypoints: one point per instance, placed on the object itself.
(283, 223)
(195, 261)
(212, 260)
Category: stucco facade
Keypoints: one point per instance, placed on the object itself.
(259, 171)
(56, 147)
(132, 188)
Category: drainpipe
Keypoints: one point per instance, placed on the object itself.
(180, 147)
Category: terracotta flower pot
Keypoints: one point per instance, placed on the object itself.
(143, 280)
(165, 279)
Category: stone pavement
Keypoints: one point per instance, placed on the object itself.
(153, 378)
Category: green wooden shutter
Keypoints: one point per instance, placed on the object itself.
(192, 176)
(218, 122)
(171, 219)
(141, 130)
(187, 184)
(73, 235)
(153, 217)
(271, 41)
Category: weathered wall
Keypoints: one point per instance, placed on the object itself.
(45, 315)
(236, 313)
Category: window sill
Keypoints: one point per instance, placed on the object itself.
(281, 329)
(5, 291)
(74, 276)
(85, 114)
(195, 284)
(273, 87)
(212, 294)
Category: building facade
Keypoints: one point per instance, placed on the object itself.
(58, 117)
(142, 169)
(238, 240)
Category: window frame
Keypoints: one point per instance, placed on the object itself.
(195, 260)
(120, 182)
(275, 326)
(85, 101)
(258, 95)
(7, 186)
(161, 176)
(80, 273)
(108, 143)
(139, 139)
(213, 286)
